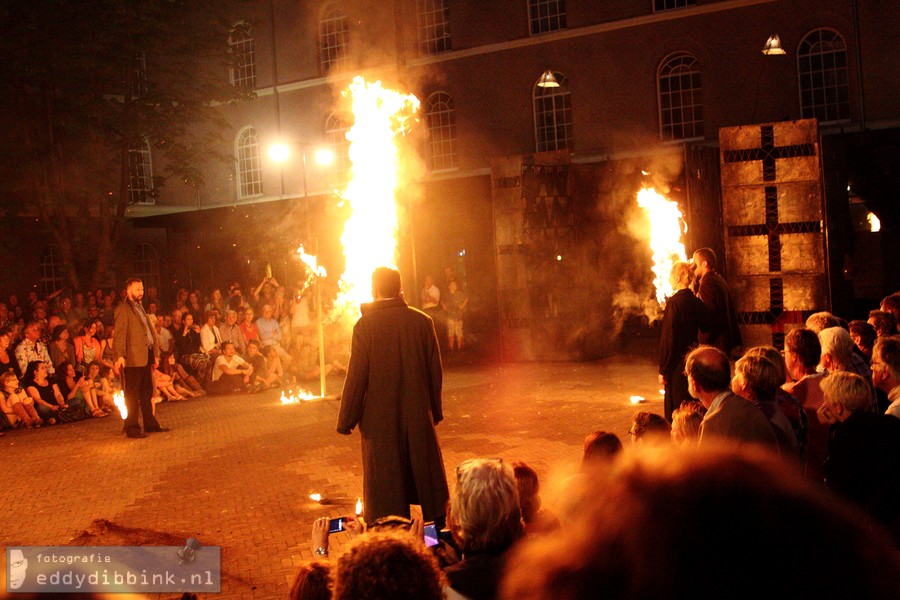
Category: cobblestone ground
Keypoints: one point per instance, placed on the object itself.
(237, 471)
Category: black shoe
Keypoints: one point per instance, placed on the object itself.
(137, 435)
(158, 430)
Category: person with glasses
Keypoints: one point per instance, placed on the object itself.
(392, 392)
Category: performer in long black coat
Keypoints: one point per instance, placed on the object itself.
(724, 330)
(684, 317)
(393, 392)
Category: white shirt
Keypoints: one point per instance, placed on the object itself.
(235, 362)
(431, 296)
(209, 338)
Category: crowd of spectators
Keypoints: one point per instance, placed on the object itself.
(60, 348)
(782, 474)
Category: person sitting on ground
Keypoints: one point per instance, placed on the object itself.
(646, 523)
(8, 361)
(31, 348)
(273, 365)
(649, 428)
(270, 334)
(600, 447)
(756, 379)
(537, 520)
(187, 344)
(60, 348)
(76, 388)
(165, 386)
(17, 405)
(387, 565)
(164, 333)
(184, 383)
(231, 373)
(883, 322)
(863, 335)
(686, 420)
(485, 521)
(39, 386)
(210, 336)
(87, 347)
(863, 462)
(261, 376)
(886, 371)
(729, 418)
(248, 325)
(838, 355)
(103, 390)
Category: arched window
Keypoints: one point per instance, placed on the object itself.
(336, 128)
(334, 37)
(434, 26)
(441, 118)
(248, 163)
(546, 15)
(243, 57)
(679, 88)
(824, 78)
(552, 115)
(146, 265)
(53, 270)
(140, 175)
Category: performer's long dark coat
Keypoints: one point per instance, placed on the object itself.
(685, 316)
(724, 333)
(393, 393)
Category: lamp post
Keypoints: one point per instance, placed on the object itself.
(280, 152)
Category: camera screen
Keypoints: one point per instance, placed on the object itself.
(431, 535)
(336, 525)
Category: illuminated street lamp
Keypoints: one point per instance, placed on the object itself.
(280, 153)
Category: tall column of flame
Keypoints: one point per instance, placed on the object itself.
(370, 234)
(666, 229)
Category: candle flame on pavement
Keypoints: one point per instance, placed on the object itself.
(292, 397)
(637, 399)
(667, 227)
(119, 401)
(315, 497)
(358, 507)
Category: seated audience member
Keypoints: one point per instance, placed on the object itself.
(312, 581)
(210, 336)
(686, 420)
(273, 364)
(164, 333)
(821, 320)
(891, 304)
(648, 522)
(600, 446)
(485, 521)
(187, 344)
(537, 520)
(76, 389)
(270, 334)
(87, 347)
(863, 336)
(863, 462)
(387, 565)
(17, 405)
(729, 418)
(184, 383)
(31, 348)
(231, 373)
(8, 361)
(46, 392)
(883, 322)
(103, 389)
(248, 325)
(756, 379)
(60, 348)
(802, 353)
(649, 428)
(789, 405)
(216, 302)
(838, 355)
(231, 332)
(261, 375)
(886, 371)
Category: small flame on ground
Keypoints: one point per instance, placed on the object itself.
(637, 399)
(666, 229)
(297, 397)
(662, 392)
(119, 401)
(358, 506)
(315, 497)
(874, 222)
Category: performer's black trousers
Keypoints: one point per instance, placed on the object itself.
(138, 382)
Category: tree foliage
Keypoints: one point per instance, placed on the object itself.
(77, 99)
